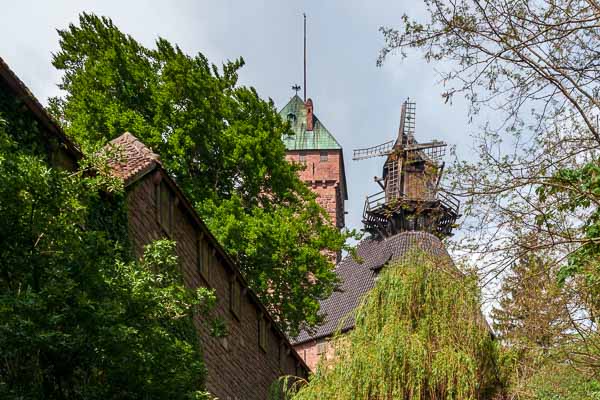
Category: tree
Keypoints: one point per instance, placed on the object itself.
(582, 271)
(419, 334)
(79, 318)
(512, 57)
(554, 381)
(533, 323)
(535, 66)
(539, 343)
(220, 141)
(532, 313)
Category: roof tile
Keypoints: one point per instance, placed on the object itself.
(131, 158)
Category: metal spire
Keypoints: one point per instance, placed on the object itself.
(304, 14)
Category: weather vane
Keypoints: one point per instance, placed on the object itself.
(296, 88)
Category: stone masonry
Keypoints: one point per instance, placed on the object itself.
(315, 148)
(239, 366)
(322, 174)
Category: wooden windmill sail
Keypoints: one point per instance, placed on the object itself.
(410, 199)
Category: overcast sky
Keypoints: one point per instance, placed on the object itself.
(357, 101)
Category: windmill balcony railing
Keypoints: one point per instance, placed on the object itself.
(450, 201)
(376, 201)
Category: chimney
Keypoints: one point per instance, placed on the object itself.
(309, 114)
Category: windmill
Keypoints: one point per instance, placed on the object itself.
(410, 199)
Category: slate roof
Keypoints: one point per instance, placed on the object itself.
(357, 279)
(130, 158)
(317, 139)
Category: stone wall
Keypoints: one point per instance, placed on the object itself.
(323, 174)
(238, 366)
(315, 351)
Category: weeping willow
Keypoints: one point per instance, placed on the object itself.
(419, 334)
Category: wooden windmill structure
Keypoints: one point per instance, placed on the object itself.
(410, 199)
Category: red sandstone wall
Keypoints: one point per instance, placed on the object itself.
(324, 178)
(237, 367)
(311, 354)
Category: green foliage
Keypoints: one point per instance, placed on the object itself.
(532, 314)
(533, 322)
(536, 175)
(562, 382)
(287, 251)
(221, 142)
(419, 334)
(579, 189)
(78, 318)
(548, 378)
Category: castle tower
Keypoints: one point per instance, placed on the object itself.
(315, 147)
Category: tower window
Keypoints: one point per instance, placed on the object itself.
(324, 156)
(291, 117)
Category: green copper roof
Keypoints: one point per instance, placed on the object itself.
(317, 139)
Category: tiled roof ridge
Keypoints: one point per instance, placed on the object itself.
(128, 137)
(133, 159)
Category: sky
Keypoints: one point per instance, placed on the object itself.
(356, 100)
